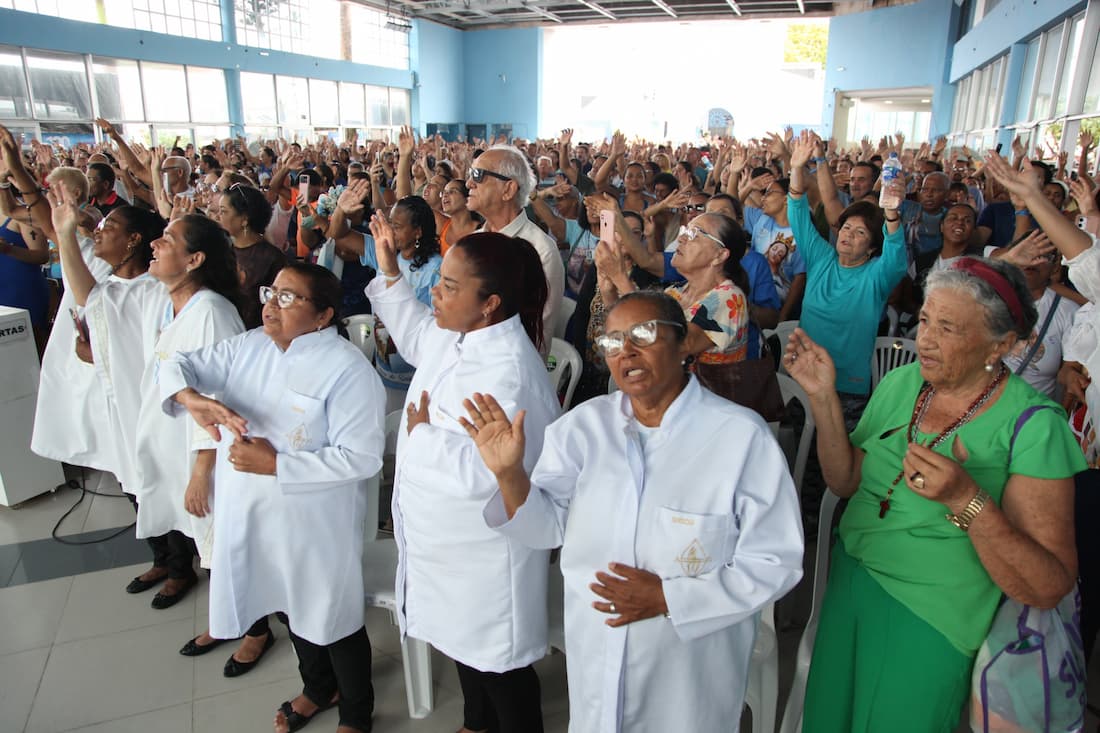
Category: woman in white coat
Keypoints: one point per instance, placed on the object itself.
(305, 409)
(679, 523)
(477, 596)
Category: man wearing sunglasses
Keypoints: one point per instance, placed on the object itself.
(500, 182)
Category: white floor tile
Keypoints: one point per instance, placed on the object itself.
(31, 614)
(250, 711)
(99, 604)
(108, 512)
(35, 518)
(175, 719)
(115, 676)
(20, 674)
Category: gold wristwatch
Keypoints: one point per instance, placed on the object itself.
(963, 519)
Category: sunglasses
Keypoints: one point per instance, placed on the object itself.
(477, 175)
(691, 233)
(283, 298)
(640, 334)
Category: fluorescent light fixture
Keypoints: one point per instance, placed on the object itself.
(593, 6)
(394, 23)
(925, 101)
(664, 6)
(734, 6)
(888, 101)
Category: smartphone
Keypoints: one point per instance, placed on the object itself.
(303, 188)
(81, 326)
(607, 226)
(998, 148)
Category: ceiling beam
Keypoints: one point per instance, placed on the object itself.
(544, 13)
(664, 6)
(602, 11)
(801, 7)
(734, 7)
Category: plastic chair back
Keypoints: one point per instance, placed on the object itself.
(791, 391)
(565, 312)
(890, 353)
(361, 333)
(782, 331)
(564, 363)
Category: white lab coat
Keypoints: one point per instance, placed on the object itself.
(474, 594)
(122, 321)
(166, 448)
(291, 542)
(68, 419)
(708, 505)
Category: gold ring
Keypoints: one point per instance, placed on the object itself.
(918, 481)
(613, 608)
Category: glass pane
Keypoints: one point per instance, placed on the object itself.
(206, 134)
(399, 106)
(136, 134)
(351, 104)
(118, 89)
(166, 136)
(292, 96)
(1075, 31)
(373, 42)
(60, 86)
(258, 98)
(962, 98)
(378, 105)
(165, 92)
(1046, 74)
(324, 107)
(1027, 80)
(208, 100)
(13, 85)
(1092, 93)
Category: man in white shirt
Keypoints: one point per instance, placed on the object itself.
(500, 183)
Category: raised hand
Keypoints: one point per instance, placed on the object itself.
(107, 128)
(1032, 251)
(566, 136)
(352, 198)
(1019, 183)
(1085, 139)
(181, 207)
(385, 251)
(501, 442)
(802, 149)
(809, 364)
(406, 142)
(1084, 193)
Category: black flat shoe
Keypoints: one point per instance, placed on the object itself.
(162, 601)
(194, 649)
(235, 668)
(295, 721)
(137, 585)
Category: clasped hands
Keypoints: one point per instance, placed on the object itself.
(247, 454)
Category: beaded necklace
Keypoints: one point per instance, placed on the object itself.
(924, 400)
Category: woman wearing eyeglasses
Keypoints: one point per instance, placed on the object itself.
(244, 212)
(305, 410)
(478, 597)
(663, 585)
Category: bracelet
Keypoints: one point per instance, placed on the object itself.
(5, 185)
(819, 159)
(390, 278)
(963, 519)
(794, 191)
(896, 218)
(1023, 212)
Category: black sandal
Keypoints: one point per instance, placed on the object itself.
(295, 720)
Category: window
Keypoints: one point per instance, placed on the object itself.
(351, 104)
(373, 42)
(14, 101)
(165, 92)
(1092, 92)
(1027, 79)
(258, 98)
(118, 89)
(399, 107)
(190, 18)
(291, 94)
(378, 105)
(1047, 71)
(207, 91)
(1077, 28)
(59, 84)
(324, 105)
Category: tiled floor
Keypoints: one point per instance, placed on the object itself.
(79, 654)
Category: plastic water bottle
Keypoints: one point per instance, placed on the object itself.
(891, 171)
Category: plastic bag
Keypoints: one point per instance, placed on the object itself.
(1029, 675)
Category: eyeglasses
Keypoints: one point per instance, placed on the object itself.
(771, 190)
(283, 298)
(640, 334)
(477, 175)
(690, 234)
(689, 207)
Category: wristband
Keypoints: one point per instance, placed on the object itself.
(818, 159)
(1023, 212)
(896, 218)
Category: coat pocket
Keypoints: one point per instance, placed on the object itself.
(306, 424)
(693, 544)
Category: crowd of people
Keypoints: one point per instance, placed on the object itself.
(191, 337)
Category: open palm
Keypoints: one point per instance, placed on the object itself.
(809, 364)
(500, 441)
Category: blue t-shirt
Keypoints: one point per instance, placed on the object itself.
(1000, 216)
(765, 232)
(922, 230)
(842, 306)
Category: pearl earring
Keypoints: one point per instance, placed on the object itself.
(989, 368)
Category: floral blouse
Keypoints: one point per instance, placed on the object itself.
(723, 314)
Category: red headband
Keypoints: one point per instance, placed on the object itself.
(995, 280)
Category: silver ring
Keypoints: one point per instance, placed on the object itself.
(613, 608)
(918, 481)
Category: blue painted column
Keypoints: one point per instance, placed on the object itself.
(232, 75)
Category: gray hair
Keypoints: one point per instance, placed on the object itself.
(185, 164)
(942, 176)
(998, 318)
(514, 165)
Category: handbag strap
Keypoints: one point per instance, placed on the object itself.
(1039, 339)
(1020, 421)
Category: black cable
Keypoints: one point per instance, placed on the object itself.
(84, 490)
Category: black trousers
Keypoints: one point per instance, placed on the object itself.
(343, 666)
(174, 551)
(501, 702)
(1086, 515)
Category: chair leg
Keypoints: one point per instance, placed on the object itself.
(416, 657)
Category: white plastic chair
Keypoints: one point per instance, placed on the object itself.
(762, 693)
(379, 573)
(790, 390)
(792, 714)
(565, 312)
(890, 353)
(892, 318)
(361, 333)
(783, 331)
(563, 356)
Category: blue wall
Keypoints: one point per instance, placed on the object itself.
(1010, 21)
(503, 70)
(900, 46)
(437, 52)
